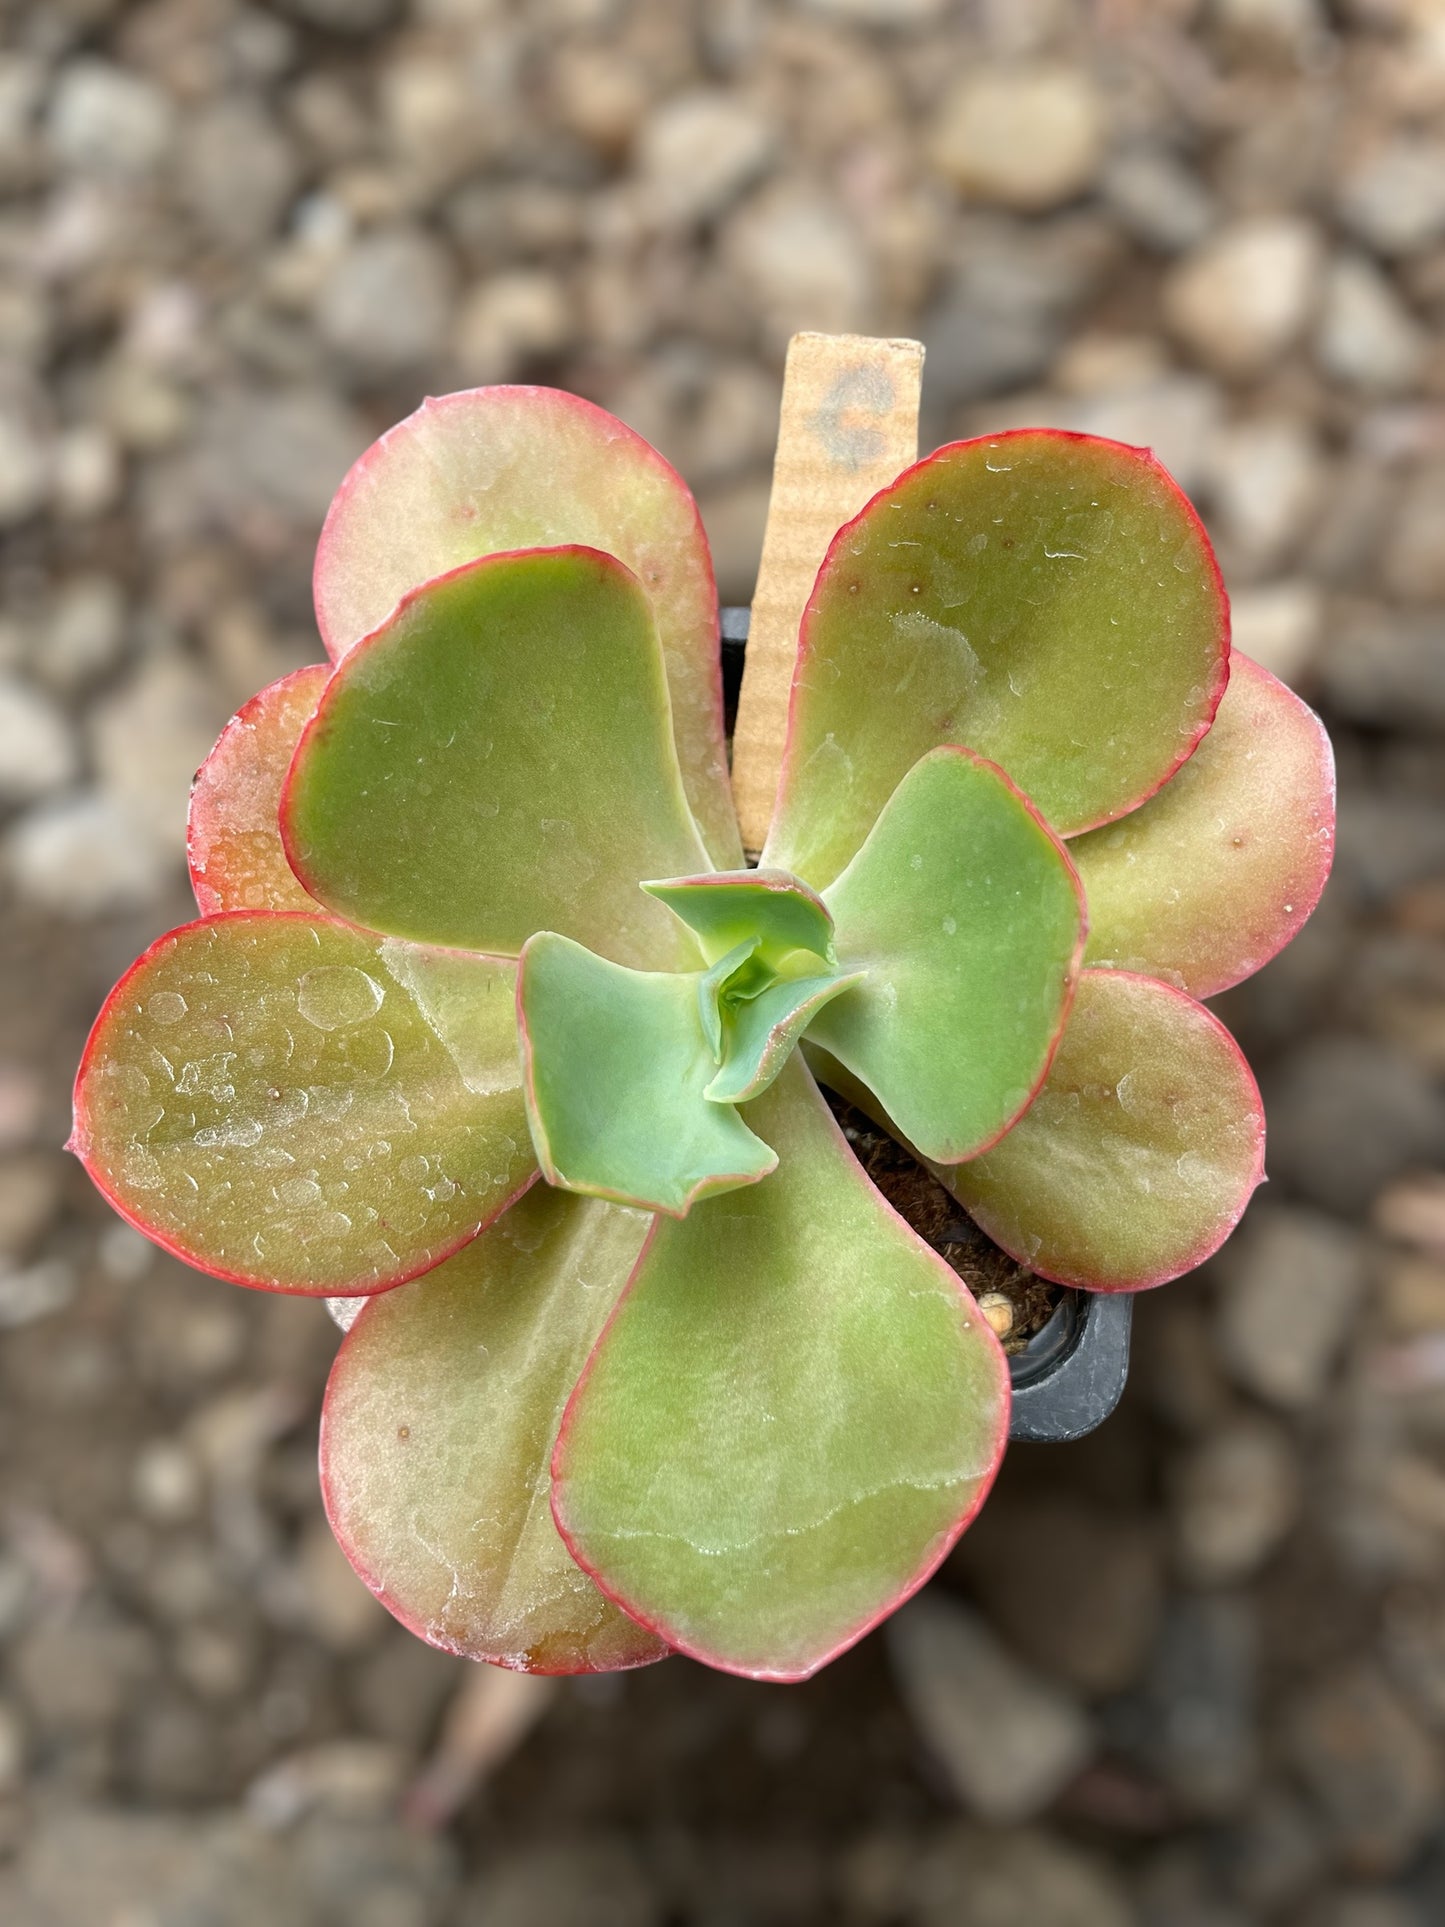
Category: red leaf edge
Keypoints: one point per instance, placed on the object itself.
(918, 1579)
(1147, 459)
(400, 1613)
(78, 1143)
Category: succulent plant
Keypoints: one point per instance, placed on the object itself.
(474, 912)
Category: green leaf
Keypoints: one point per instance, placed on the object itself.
(965, 915)
(1137, 1158)
(303, 1107)
(1204, 883)
(437, 1433)
(727, 908)
(1049, 600)
(233, 839)
(763, 1030)
(793, 1414)
(615, 1065)
(497, 469)
(710, 987)
(497, 759)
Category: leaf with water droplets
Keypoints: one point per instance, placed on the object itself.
(1049, 600)
(964, 915)
(297, 1105)
(437, 1435)
(497, 759)
(233, 838)
(1205, 882)
(495, 469)
(1137, 1158)
(792, 1415)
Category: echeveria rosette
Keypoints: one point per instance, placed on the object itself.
(761, 1422)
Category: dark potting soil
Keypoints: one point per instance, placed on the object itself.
(941, 1221)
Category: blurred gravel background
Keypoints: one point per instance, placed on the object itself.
(1190, 1673)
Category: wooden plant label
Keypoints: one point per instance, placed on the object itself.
(849, 425)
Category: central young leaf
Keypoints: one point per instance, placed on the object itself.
(730, 907)
(615, 1068)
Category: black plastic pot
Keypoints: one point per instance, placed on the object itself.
(1070, 1375)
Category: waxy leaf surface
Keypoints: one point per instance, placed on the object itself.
(1049, 600)
(964, 914)
(496, 760)
(493, 469)
(792, 1415)
(616, 1062)
(265, 1096)
(437, 1436)
(1204, 883)
(1137, 1158)
(763, 1029)
(233, 839)
(729, 908)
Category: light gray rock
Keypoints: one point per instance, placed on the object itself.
(279, 452)
(1279, 625)
(698, 151)
(1367, 337)
(1386, 668)
(1157, 199)
(1291, 1282)
(1265, 478)
(1282, 23)
(580, 1882)
(30, 1190)
(82, 856)
(388, 304)
(238, 172)
(1200, 1716)
(26, 460)
(1236, 1494)
(37, 747)
(1393, 195)
(1005, 305)
(508, 320)
(151, 737)
(1370, 1767)
(1346, 1115)
(1024, 137)
(800, 262)
(82, 633)
(1414, 560)
(1008, 1740)
(107, 121)
(1022, 1878)
(1244, 297)
(354, 18)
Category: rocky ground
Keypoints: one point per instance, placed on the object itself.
(1190, 1673)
